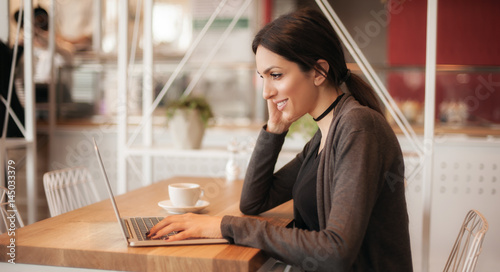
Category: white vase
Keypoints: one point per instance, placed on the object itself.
(187, 129)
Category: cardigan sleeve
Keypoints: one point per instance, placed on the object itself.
(263, 189)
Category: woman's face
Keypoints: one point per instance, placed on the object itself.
(288, 88)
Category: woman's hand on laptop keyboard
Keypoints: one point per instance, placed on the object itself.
(188, 225)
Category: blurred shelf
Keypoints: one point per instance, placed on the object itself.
(439, 68)
(471, 131)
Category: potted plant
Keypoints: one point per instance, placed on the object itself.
(187, 120)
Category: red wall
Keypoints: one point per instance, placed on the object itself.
(468, 34)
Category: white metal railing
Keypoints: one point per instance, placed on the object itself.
(175, 74)
(28, 130)
(145, 125)
(370, 74)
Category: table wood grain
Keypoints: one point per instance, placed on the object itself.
(90, 237)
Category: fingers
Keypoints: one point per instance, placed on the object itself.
(180, 236)
(277, 122)
(275, 117)
(164, 227)
(166, 231)
(163, 223)
(274, 113)
(187, 226)
(169, 224)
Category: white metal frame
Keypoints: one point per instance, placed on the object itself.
(122, 95)
(429, 117)
(125, 144)
(125, 148)
(370, 74)
(4, 14)
(29, 131)
(423, 150)
(52, 83)
(97, 32)
(147, 87)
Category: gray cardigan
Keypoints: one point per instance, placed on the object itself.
(360, 198)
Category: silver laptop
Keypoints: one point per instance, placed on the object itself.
(134, 229)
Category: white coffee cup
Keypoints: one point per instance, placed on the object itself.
(184, 194)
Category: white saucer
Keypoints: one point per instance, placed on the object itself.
(167, 205)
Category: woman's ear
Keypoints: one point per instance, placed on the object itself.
(320, 72)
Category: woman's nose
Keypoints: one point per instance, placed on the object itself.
(268, 92)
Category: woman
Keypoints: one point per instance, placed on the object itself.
(347, 183)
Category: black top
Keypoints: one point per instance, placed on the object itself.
(305, 208)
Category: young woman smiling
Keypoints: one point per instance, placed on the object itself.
(347, 184)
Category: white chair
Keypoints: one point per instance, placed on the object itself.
(468, 246)
(9, 215)
(69, 189)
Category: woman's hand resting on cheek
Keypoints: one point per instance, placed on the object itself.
(188, 226)
(277, 123)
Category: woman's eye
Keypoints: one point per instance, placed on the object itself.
(275, 75)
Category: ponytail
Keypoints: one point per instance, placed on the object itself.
(363, 92)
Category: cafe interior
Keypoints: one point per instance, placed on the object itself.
(112, 71)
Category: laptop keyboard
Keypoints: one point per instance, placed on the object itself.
(142, 225)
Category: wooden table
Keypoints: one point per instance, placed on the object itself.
(90, 237)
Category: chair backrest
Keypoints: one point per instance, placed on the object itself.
(69, 189)
(468, 246)
(9, 215)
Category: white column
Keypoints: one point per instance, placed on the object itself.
(122, 87)
(4, 24)
(29, 107)
(97, 33)
(147, 91)
(429, 117)
(53, 75)
(4, 37)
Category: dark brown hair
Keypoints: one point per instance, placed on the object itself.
(306, 36)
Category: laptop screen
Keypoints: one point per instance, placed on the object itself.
(108, 187)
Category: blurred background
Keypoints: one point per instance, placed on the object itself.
(390, 33)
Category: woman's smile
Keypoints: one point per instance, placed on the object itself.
(281, 104)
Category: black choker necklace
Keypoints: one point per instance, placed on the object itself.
(332, 106)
